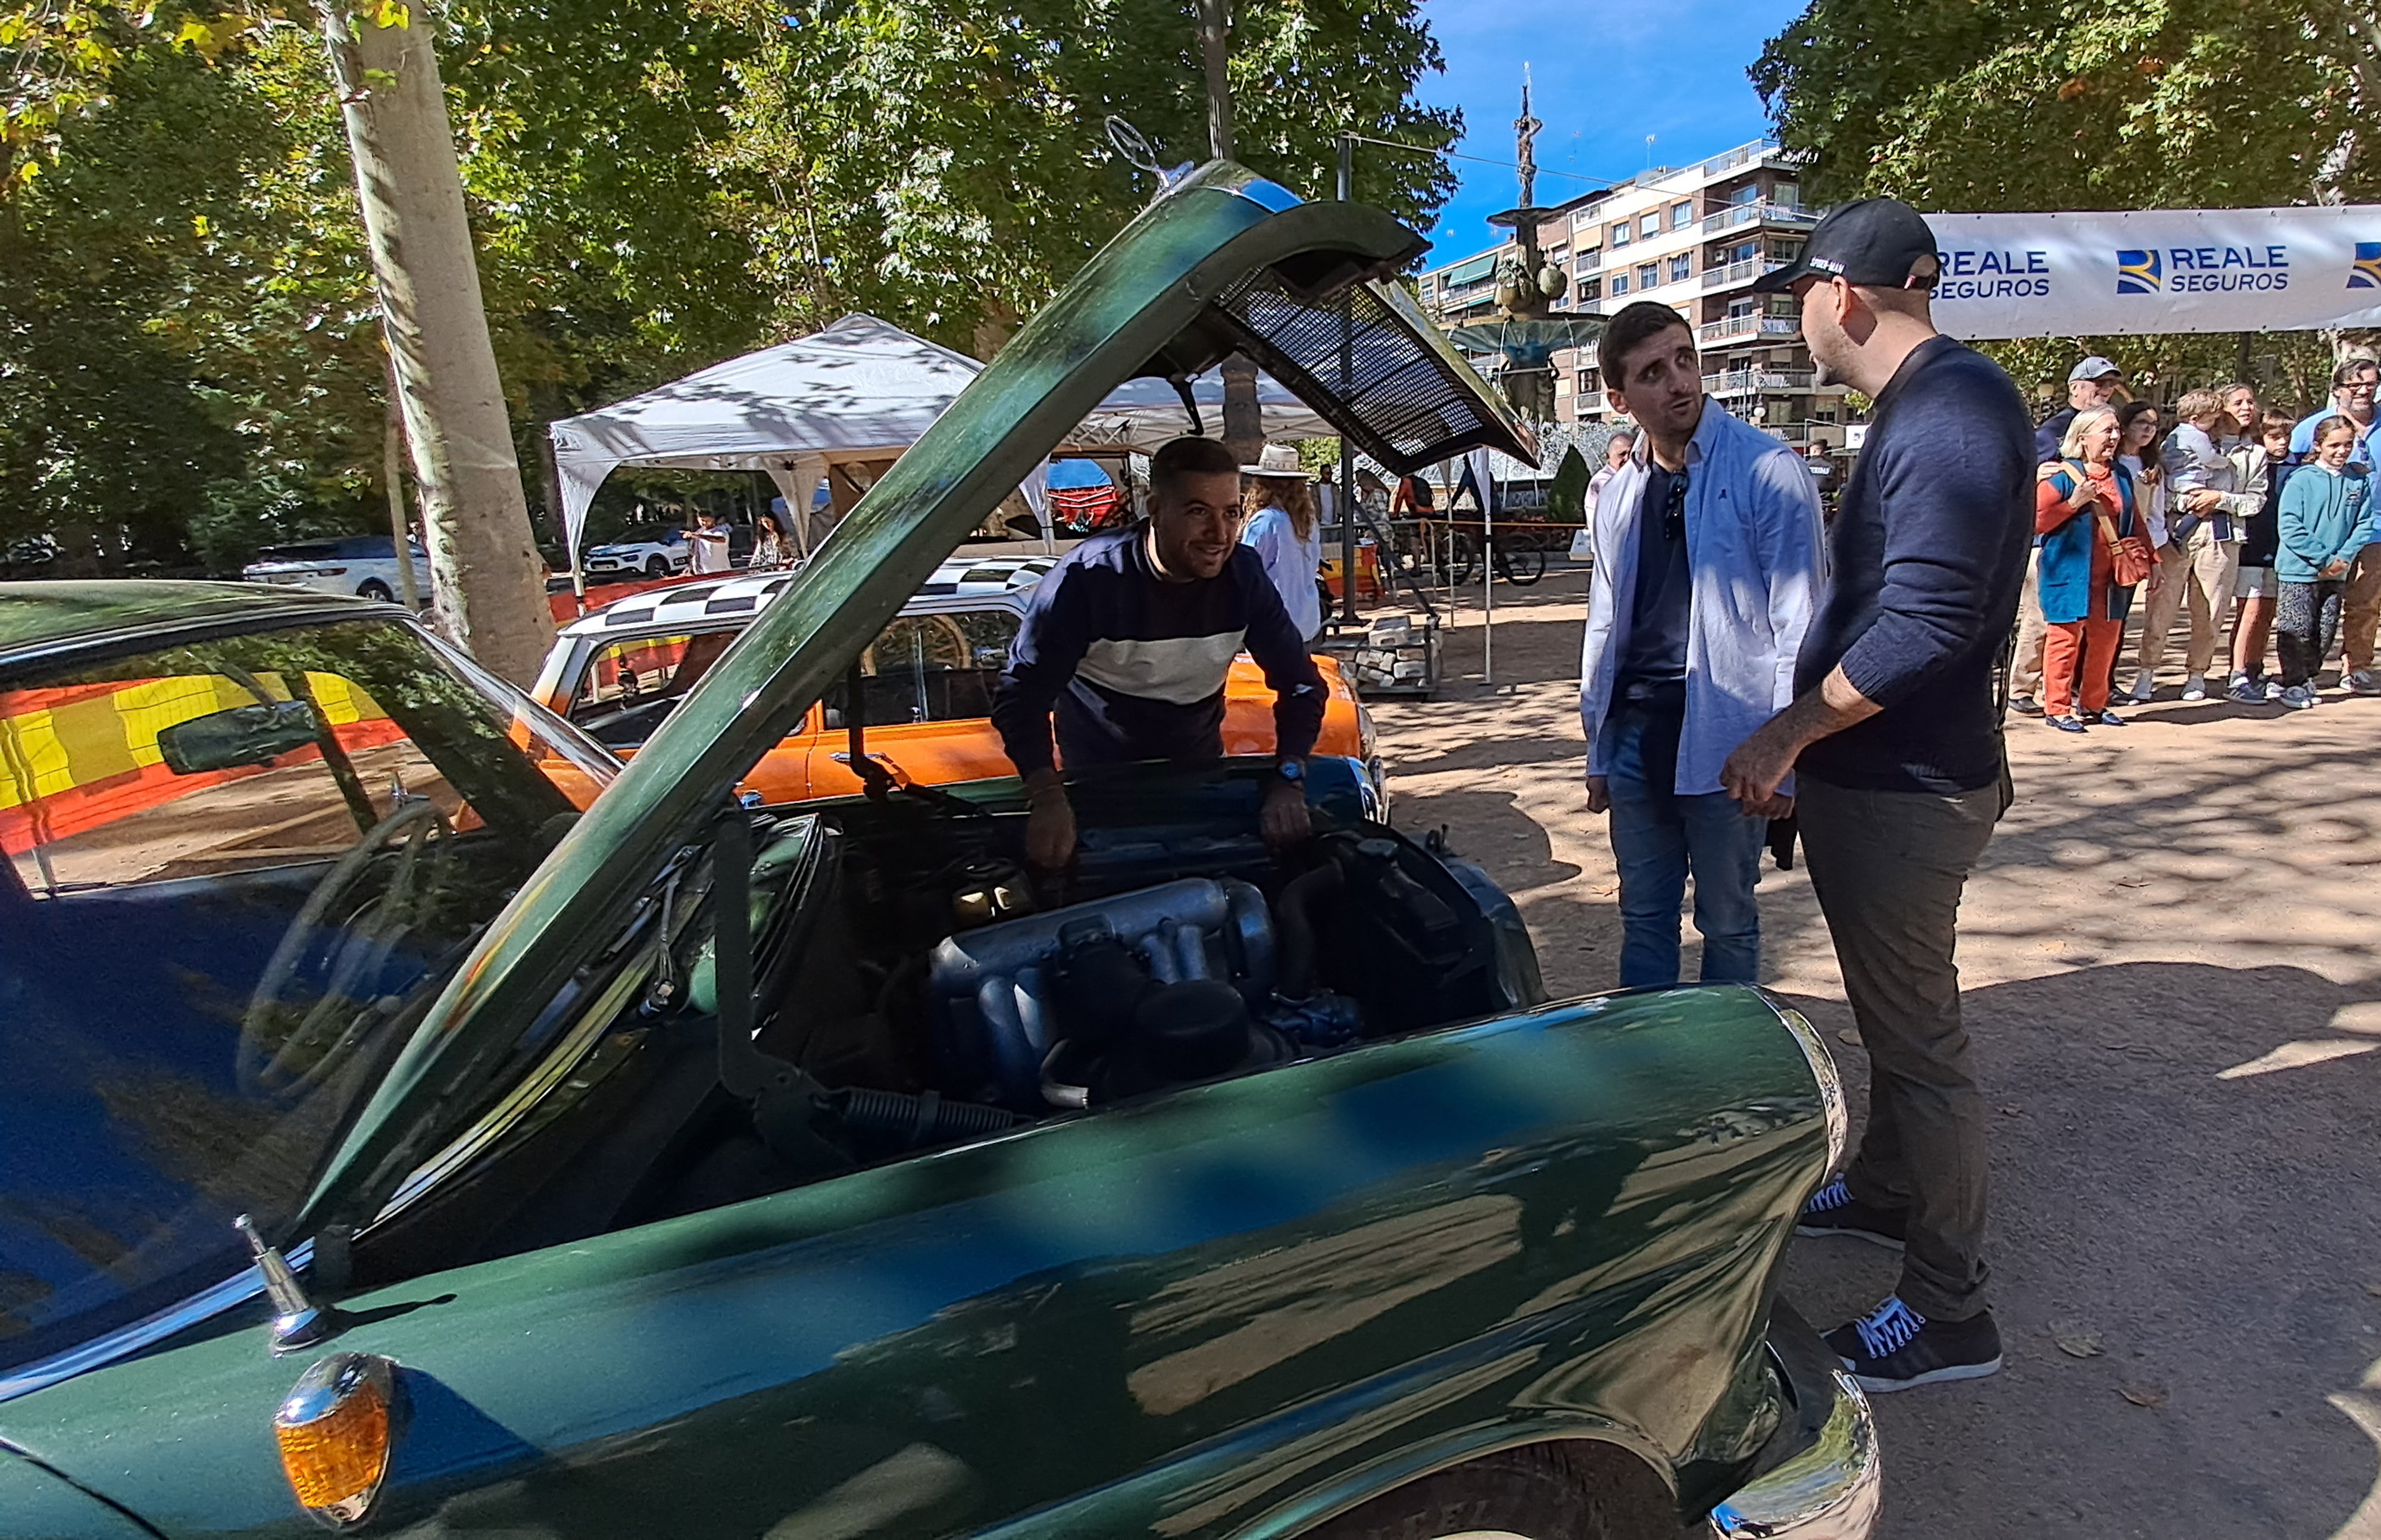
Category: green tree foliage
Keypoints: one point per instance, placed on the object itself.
(2019, 104)
(944, 165)
(1567, 498)
(187, 352)
(2012, 105)
(190, 354)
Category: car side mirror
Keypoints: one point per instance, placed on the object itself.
(242, 735)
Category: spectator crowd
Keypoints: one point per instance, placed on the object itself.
(2215, 508)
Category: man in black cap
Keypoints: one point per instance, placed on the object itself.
(1894, 737)
(2093, 383)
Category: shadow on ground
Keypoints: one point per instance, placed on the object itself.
(2196, 1182)
(2174, 986)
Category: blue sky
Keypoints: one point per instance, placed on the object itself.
(1605, 77)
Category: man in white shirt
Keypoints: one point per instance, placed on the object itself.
(1709, 562)
(1615, 455)
(707, 543)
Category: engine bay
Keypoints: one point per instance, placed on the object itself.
(965, 978)
(908, 986)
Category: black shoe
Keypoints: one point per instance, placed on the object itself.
(1893, 1348)
(1834, 1211)
(2108, 719)
(2025, 705)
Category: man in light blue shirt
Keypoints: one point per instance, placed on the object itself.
(1709, 562)
(2352, 386)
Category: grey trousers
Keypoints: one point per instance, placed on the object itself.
(1888, 868)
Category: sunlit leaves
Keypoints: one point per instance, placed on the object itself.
(1991, 105)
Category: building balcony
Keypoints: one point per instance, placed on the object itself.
(1754, 382)
(1740, 271)
(1735, 326)
(1788, 214)
(1759, 152)
(1588, 260)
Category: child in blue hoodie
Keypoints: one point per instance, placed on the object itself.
(2325, 518)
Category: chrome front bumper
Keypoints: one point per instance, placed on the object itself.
(1830, 1491)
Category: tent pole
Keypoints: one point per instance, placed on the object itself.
(1347, 372)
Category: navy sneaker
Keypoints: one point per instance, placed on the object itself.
(2248, 692)
(1834, 1211)
(1893, 1348)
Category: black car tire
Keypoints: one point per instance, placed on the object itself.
(1571, 1490)
(373, 588)
(656, 568)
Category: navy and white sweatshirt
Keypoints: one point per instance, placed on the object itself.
(1133, 666)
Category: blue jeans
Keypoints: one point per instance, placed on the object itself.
(1657, 838)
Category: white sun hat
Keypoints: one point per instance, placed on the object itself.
(1278, 461)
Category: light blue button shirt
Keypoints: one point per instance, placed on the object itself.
(1756, 565)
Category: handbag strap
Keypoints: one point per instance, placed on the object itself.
(2108, 524)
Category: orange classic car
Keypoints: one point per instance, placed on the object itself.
(926, 681)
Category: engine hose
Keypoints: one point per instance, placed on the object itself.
(1298, 947)
(921, 1119)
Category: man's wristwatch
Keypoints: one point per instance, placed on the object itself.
(1291, 770)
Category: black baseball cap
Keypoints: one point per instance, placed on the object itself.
(1878, 242)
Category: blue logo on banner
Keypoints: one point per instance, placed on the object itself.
(2138, 272)
(2366, 273)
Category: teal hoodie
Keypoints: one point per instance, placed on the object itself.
(2326, 515)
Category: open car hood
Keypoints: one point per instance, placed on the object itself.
(1223, 260)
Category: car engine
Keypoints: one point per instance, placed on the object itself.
(1164, 985)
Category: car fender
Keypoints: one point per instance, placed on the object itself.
(37, 1500)
(1181, 1316)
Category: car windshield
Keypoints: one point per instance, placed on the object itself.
(237, 871)
(932, 668)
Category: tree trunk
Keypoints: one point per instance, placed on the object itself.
(392, 475)
(1243, 418)
(1215, 22)
(1243, 415)
(487, 576)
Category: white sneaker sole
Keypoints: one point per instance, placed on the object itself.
(1875, 1387)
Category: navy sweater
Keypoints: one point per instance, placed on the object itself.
(1133, 666)
(1928, 553)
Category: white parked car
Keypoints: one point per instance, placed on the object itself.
(658, 557)
(364, 565)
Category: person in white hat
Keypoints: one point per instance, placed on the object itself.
(1279, 524)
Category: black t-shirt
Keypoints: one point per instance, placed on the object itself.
(2261, 533)
(1653, 655)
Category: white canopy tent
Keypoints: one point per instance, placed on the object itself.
(860, 391)
(852, 395)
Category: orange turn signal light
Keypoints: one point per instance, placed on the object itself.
(334, 1430)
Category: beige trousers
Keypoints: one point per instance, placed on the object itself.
(2361, 612)
(2025, 668)
(2198, 570)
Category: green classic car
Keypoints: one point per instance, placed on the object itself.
(397, 1135)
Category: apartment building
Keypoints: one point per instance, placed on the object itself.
(1695, 239)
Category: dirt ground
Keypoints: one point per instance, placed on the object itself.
(2171, 974)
